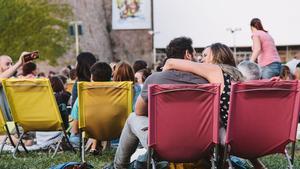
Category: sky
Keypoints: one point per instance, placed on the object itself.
(208, 21)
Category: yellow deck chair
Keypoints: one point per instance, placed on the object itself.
(103, 109)
(5, 130)
(33, 107)
(70, 86)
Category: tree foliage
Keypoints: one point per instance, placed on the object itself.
(28, 25)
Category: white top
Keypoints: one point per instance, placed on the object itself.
(292, 65)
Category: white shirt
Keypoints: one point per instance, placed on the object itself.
(292, 65)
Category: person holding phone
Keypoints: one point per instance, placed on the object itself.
(7, 69)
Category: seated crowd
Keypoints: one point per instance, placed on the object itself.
(182, 66)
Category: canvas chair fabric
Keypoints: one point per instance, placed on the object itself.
(263, 117)
(70, 86)
(33, 104)
(2, 123)
(3, 103)
(183, 121)
(104, 108)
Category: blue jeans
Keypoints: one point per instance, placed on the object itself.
(271, 70)
(74, 139)
(134, 131)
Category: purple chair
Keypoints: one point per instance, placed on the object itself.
(183, 122)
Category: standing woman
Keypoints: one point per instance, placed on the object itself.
(264, 50)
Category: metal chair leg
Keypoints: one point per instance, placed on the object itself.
(57, 147)
(80, 144)
(9, 136)
(3, 143)
(82, 147)
(153, 163)
(288, 158)
(226, 155)
(68, 141)
(149, 158)
(293, 152)
(16, 148)
(18, 133)
(214, 158)
(213, 166)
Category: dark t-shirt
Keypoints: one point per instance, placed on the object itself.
(170, 77)
(74, 93)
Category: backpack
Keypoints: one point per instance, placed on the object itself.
(239, 163)
(73, 165)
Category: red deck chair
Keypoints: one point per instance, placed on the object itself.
(263, 117)
(183, 122)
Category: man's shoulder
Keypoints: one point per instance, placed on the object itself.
(173, 76)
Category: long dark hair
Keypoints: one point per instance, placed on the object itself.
(85, 60)
(256, 23)
(57, 84)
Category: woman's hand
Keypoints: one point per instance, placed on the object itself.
(21, 61)
(168, 65)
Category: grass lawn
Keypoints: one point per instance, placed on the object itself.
(41, 160)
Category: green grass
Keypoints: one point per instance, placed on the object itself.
(42, 160)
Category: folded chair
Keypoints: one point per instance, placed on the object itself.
(4, 130)
(103, 109)
(263, 119)
(183, 122)
(34, 108)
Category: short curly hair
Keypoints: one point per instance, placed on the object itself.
(178, 46)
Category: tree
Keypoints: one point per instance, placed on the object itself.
(28, 25)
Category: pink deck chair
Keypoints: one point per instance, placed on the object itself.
(183, 122)
(263, 117)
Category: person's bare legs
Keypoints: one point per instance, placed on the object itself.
(94, 144)
(26, 142)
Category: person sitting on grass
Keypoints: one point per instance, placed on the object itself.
(100, 72)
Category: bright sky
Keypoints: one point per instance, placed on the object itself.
(206, 21)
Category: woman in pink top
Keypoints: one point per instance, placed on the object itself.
(264, 50)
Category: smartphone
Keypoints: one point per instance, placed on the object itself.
(31, 56)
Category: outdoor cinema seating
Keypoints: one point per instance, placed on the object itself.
(34, 108)
(183, 122)
(263, 119)
(103, 109)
